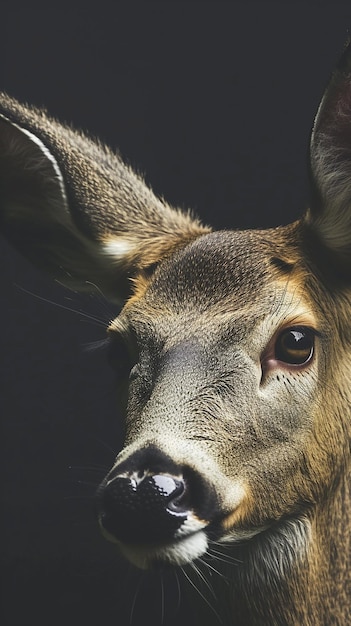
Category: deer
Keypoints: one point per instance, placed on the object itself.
(238, 419)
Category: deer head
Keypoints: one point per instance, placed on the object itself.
(238, 419)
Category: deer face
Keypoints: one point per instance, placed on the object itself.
(223, 399)
(238, 415)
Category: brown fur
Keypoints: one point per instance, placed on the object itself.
(265, 441)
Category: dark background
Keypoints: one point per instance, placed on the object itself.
(214, 102)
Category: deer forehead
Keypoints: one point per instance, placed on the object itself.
(216, 269)
(227, 282)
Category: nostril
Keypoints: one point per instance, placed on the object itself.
(143, 509)
(167, 485)
(172, 490)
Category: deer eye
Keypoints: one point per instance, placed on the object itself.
(295, 346)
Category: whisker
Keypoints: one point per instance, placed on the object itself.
(92, 318)
(101, 299)
(94, 346)
(162, 599)
(179, 590)
(137, 590)
(220, 574)
(201, 595)
(95, 438)
(225, 558)
(204, 579)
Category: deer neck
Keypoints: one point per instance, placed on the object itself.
(298, 573)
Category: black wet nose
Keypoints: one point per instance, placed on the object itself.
(147, 509)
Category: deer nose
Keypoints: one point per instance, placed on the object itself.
(143, 509)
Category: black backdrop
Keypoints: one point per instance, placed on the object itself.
(214, 102)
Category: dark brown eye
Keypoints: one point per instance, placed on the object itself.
(295, 345)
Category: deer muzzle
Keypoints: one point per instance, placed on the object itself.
(148, 503)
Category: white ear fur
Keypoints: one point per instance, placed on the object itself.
(38, 163)
(35, 213)
(26, 160)
(118, 248)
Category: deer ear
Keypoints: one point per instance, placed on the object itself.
(75, 209)
(330, 162)
(34, 207)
